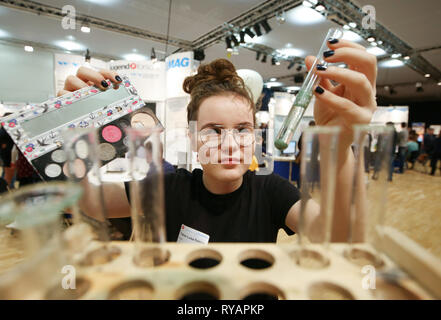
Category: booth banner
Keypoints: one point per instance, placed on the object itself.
(68, 64)
(395, 114)
(147, 77)
(178, 67)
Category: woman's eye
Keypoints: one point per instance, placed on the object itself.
(244, 130)
(212, 131)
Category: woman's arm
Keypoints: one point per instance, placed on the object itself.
(351, 102)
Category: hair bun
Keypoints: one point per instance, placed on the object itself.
(218, 71)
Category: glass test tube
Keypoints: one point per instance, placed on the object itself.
(147, 195)
(304, 96)
(318, 171)
(373, 160)
(36, 212)
(83, 167)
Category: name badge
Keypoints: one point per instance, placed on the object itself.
(190, 235)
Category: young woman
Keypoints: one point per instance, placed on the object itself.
(225, 200)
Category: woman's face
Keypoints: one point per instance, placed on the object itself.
(231, 158)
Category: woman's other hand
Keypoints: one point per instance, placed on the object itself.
(87, 77)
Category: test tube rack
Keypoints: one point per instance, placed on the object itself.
(408, 271)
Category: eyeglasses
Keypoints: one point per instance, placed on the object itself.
(214, 137)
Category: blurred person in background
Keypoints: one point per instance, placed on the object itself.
(412, 149)
(436, 154)
(403, 137)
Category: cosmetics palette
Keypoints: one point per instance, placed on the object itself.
(37, 131)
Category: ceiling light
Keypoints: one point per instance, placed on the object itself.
(134, 57)
(70, 45)
(406, 58)
(249, 32)
(293, 88)
(371, 39)
(427, 75)
(376, 51)
(273, 79)
(320, 8)
(351, 36)
(70, 37)
(346, 27)
(395, 55)
(419, 87)
(352, 24)
(281, 17)
(439, 83)
(3, 34)
(307, 4)
(380, 42)
(391, 63)
(304, 16)
(290, 52)
(85, 27)
(374, 44)
(28, 48)
(277, 63)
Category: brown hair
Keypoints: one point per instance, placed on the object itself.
(216, 78)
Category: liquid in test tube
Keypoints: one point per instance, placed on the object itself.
(304, 96)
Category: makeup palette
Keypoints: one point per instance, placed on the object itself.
(37, 131)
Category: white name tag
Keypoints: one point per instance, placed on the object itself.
(190, 235)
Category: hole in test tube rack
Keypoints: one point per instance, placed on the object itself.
(151, 257)
(309, 259)
(200, 290)
(262, 291)
(328, 291)
(256, 259)
(101, 255)
(204, 259)
(57, 292)
(132, 290)
(363, 257)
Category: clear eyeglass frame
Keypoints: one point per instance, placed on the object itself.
(213, 139)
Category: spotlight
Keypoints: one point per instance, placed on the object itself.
(199, 54)
(266, 26)
(298, 78)
(439, 83)
(346, 27)
(291, 64)
(352, 24)
(85, 27)
(228, 42)
(406, 58)
(258, 55)
(280, 17)
(419, 87)
(371, 39)
(153, 55)
(242, 37)
(264, 59)
(236, 43)
(427, 75)
(396, 55)
(250, 33)
(307, 4)
(257, 30)
(277, 63)
(87, 56)
(28, 48)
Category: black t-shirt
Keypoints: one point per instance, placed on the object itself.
(253, 213)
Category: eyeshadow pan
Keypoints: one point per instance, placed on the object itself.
(82, 149)
(79, 168)
(111, 134)
(106, 151)
(58, 156)
(52, 170)
(142, 120)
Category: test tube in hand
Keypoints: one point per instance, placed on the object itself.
(304, 96)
